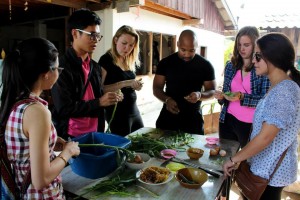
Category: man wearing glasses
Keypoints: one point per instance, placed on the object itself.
(77, 95)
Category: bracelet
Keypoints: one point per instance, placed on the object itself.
(167, 99)
(231, 160)
(60, 156)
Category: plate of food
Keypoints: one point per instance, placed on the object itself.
(154, 175)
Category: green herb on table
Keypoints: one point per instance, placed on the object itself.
(147, 144)
(116, 185)
(218, 161)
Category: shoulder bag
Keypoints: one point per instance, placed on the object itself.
(250, 185)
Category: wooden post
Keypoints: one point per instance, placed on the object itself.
(150, 56)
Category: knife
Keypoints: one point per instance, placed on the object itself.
(164, 164)
(209, 171)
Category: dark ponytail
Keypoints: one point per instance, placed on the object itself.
(295, 74)
(21, 69)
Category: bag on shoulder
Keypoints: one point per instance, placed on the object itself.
(9, 189)
(249, 184)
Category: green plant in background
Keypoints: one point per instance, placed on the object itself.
(228, 52)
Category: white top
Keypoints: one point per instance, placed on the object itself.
(280, 107)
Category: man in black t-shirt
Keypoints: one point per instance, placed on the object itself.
(184, 74)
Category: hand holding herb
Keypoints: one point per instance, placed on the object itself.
(113, 114)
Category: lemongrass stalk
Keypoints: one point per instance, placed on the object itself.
(130, 154)
(112, 117)
(150, 192)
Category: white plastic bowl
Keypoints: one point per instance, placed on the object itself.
(136, 166)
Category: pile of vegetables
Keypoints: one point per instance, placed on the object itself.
(148, 143)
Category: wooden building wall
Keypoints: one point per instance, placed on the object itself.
(201, 9)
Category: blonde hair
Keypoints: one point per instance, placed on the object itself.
(132, 60)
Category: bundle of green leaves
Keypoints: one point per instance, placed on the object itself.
(146, 143)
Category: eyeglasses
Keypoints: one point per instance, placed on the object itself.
(59, 69)
(257, 56)
(93, 35)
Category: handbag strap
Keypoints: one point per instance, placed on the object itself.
(278, 163)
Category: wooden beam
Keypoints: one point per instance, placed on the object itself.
(136, 2)
(160, 9)
(192, 22)
(99, 6)
(67, 3)
(94, 1)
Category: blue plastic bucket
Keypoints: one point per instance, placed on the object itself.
(97, 162)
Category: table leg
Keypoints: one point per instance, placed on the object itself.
(219, 194)
(228, 186)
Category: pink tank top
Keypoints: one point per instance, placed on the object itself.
(241, 84)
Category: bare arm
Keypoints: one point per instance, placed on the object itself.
(256, 145)
(158, 87)
(43, 172)
(209, 90)
(134, 84)
(158, 91)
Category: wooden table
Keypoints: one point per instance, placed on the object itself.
(75, 184)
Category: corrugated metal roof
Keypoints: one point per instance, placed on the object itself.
(270, 13)
(284, 20)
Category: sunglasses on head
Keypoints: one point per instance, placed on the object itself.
(257, 56)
